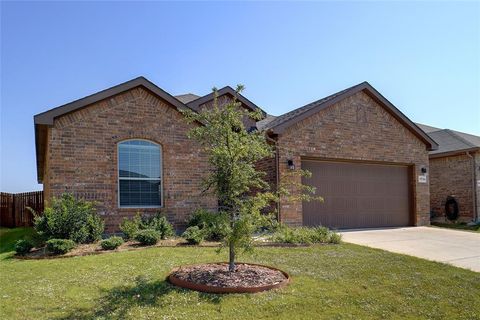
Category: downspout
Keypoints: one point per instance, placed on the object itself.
(474, 191)
(277, 178)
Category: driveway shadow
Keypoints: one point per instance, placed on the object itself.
(117, 302)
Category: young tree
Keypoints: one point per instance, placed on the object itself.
(232, 153)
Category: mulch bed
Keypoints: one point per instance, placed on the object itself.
(215, 277)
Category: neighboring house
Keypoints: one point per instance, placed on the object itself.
(454, 172)
(126, 148)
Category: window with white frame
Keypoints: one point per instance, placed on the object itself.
(139, 174)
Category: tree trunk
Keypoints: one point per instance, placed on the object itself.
(231, 262)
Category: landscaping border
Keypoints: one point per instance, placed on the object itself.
(212, 289)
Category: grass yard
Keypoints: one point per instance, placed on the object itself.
(8, 237)
(457, 226)
(329, 282)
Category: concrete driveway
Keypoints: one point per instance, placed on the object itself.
(459, 248)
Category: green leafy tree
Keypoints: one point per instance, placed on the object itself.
(232, 154)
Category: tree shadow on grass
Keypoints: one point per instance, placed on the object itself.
(118, 301)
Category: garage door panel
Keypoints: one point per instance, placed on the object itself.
(357, 195)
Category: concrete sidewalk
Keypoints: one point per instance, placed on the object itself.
(458, 248)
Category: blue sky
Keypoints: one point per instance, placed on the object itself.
(423, 56)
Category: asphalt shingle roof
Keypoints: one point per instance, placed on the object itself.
(296, 112)
(427, 128)
(262, 124)
(451, 141)
(186, 98)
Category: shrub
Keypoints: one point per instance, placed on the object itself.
(194, 235)
(111, 243)
(335, 238)
(23, 246)
(158, 222)
(269, 223)
(130, 227)
(214, 224)
(322, 235)
(37, 240)
(60, 246)
(304, 235)
(147, 237)
(69, 218)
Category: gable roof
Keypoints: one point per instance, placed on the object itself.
(281, 123)
(47, 117)
(187, 101)
(451, 142)
(195, 104)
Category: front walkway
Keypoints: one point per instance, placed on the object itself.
(458, 248)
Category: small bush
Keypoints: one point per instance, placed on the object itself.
(304, 235)
(269, 223)
(130, 227)
(147, 237)
(214, 224)
(69, 218)
(60, 246)
(23, 246)
(335, 238)
(194, 235)
(111, 243)
(322, 235)
(37, 240)
(158, 222)
(95, 227)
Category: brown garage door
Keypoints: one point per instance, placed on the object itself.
(357, 195)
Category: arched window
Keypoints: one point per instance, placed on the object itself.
(139, 174)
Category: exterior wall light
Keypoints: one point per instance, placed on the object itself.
(423, 170)
(290, 164)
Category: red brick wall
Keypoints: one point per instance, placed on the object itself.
(477, 183)
(355, 128)
(452, 176)
(268, 165)
(82, 155)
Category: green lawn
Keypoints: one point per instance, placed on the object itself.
(8, 237)
(329, 282)
(457, 226)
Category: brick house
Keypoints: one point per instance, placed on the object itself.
(454, 172)
(126, 148)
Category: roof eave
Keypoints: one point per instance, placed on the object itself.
(47, 117)
(453, 153)
(375, 95)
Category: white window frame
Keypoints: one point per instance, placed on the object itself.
(149, 179)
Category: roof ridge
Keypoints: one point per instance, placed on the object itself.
(202, 96)
(305, 108)
(327, 97)
(194, 104)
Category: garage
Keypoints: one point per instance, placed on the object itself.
(369, 162)
(358, 195)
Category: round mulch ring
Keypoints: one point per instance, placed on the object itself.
(215, 278)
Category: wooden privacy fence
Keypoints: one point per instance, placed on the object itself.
(14, 210)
